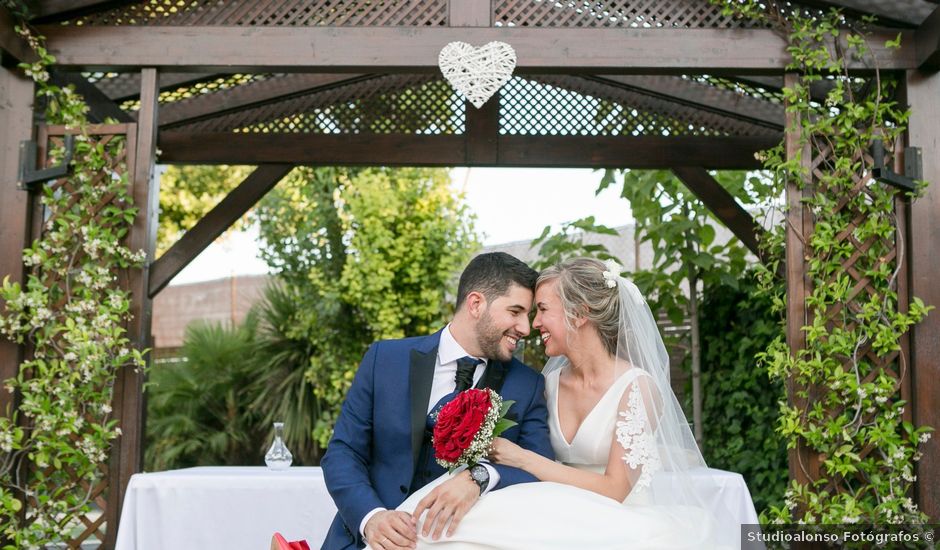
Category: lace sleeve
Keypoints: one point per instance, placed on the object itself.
(636, 432)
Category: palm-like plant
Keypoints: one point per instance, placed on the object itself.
(199, 408)
(282, 391)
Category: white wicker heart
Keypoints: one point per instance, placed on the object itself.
(477, 73)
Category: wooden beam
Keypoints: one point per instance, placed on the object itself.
(923, 91)
(452, 150)
(213, 224)
(100, 106)
(722, 204)
(703, 96)
(483, 132)
(127, 451)
(415, 49)
(927, 40)
(247, 95)
(13, 49)
(16, 120)
(817, 90)
(322, 149)
(652, 152)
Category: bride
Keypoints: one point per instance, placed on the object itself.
(623, 444)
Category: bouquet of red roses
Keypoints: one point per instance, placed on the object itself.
(467, 425)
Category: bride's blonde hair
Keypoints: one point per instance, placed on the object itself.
(584, 292)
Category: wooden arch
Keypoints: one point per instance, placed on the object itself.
(279, 83)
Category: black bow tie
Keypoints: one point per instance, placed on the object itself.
(466, 366)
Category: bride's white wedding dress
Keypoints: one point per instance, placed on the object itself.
(549, 516)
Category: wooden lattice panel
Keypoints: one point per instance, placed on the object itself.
(568, 105)
(410, 13)
(395, 104)
(613, 13)
(198, 89)
(89, 529)
(862, 255)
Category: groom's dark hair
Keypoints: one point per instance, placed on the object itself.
(492, 274)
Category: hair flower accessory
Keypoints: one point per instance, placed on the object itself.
(613, 271)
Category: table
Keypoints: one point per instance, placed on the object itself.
(235, 508)
(225, 508)
(726, 495)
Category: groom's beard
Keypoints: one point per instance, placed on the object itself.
(490, 337)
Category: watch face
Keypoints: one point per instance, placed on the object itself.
(479, 474)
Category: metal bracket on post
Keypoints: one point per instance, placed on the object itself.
(28, 176)
(883, 174)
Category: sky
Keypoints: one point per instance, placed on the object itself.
(511, 204)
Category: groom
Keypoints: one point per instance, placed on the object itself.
(381, 449)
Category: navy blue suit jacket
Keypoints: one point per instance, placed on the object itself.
(370, 461)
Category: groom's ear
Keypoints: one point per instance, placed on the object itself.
(475, 303)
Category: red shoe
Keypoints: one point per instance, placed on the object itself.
(279, 543)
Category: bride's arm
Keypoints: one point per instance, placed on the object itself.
(613, 483)
(626, 462)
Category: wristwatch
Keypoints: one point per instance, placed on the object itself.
(481, 476)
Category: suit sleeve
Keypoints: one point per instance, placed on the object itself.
(345, 464)
(533, 435)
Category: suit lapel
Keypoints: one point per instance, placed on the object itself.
(494, 376)
(420, 376)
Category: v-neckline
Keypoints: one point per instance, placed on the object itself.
(561, 431)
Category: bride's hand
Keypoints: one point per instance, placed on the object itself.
(505, 452)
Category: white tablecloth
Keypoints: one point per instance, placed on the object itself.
(239, 508)
(224, 508)
(726, 495)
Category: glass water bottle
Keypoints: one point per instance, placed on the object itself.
(278, 457)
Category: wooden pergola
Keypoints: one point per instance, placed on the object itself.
(611, 83)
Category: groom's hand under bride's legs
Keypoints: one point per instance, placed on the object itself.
(391, 530)
(449, 501)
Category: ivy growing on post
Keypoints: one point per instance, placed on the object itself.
(71, 316)
(849, 372)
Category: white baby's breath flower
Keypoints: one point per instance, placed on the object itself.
(924, 437)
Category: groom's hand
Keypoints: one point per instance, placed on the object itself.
(391, 530)
(449, 501)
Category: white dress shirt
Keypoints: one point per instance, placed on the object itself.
(444, 382)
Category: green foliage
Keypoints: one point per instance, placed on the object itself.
(739, 410)
(198, 409)
(280, 387)
(845, 408)
(569, 242)
(72, 316)
(188, 193)
(218, 402)
(369, 254)
(681, 231)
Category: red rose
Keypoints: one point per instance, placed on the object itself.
(458, 423)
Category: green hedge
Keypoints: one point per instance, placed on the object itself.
(740, 403)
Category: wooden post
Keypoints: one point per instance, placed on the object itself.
(16, 120)
(923, 91)
(799, 227)
(127, 457)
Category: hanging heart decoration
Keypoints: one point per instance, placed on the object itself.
(477, 73)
